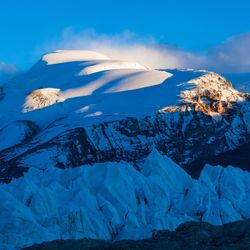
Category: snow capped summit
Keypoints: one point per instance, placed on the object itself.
(97, 62)
(63, 56)
(69, 89)
(69, 81)
(78, 74)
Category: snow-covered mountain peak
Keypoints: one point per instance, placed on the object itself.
(91, 61)
(82, 88)
(63, 56)
(70, 80)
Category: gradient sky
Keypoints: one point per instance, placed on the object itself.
(190, 25)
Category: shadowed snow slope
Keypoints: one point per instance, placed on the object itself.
(240, 81)
(117, 201)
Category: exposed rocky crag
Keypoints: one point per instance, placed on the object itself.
(190, 235)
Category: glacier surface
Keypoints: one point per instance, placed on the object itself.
(117, 201)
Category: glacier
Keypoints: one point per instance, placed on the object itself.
(117, 200)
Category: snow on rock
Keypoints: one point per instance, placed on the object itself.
(210, 93)
(117, 201)
(41, 98)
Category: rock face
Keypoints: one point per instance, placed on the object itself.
(191, 235)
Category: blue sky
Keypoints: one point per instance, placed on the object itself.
(193, 26)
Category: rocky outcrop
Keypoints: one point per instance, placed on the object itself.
(211, 95)
(41, 98)
(190, 235)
